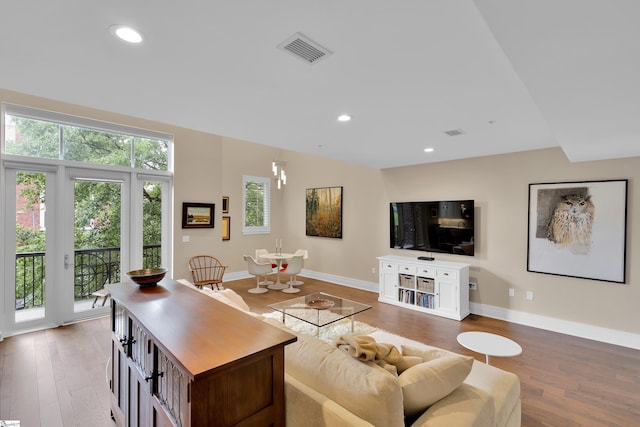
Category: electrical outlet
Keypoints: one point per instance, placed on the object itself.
(473, 286)
(512, 292)
(373, 270)
(186, 239)
(530, 295)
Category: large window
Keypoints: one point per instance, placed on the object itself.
(256, 205)
(49, 135)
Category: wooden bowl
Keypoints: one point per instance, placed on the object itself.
(320, 304)
(147, 276)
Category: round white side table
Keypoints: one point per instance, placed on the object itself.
(489, 344)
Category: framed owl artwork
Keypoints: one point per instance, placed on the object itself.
(578, 229)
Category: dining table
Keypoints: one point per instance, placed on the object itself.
(279, 258)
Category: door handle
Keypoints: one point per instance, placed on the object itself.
(67, 264)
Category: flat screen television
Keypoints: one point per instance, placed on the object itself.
(439, 227)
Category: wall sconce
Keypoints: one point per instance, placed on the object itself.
(279, 173)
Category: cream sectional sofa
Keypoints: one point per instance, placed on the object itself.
(325, 386)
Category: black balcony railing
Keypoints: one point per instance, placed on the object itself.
(93, 268)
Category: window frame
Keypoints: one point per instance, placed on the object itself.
(93, 125)
(265, 228)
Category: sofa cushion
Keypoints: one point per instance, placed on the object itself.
(466, 406)
(368, 391)
(426, 383)
(503, 386)
(407, 362)
(309, 408)
(227, 296)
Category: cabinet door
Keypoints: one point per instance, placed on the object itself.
(159, 416)
(447, 296)
(170, 390)
(389, 280)
(118, 371)
(117, 382)
(138, 393)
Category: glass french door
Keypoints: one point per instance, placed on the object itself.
(96, 252)
(118, 222)
(67, 232)
(151, 204)
(29, 260)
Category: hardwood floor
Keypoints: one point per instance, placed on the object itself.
(57, 377)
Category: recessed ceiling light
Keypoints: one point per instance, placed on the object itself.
(428, 150)
(344, 118)
(125, 33)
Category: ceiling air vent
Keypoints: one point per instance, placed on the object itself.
(455, 132)
(304, 48)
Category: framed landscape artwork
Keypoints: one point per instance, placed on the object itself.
(197, 215)
(578, 229)
(226, 228)
(324, 212)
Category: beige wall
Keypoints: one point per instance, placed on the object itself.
(347, 257)
(209, 166)
(364, 229)
(197, 179)
(245, 158)
(499, 186)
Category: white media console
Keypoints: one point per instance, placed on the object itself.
(435, 287)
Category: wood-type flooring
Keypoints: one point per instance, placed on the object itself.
(56, 377)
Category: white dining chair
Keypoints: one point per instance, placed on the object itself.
(305, 255)
(293, 268)
(258, 270)
(259, 255)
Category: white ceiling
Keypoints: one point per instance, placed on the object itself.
(513, 74)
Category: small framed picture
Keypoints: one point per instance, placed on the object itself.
(225, 204)
(226, 228)
(198, 215)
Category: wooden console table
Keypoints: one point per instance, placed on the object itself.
(180, 358)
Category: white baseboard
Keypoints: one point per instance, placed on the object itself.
(582, 330)
(339, 280)
(237, 275)
(345, 281)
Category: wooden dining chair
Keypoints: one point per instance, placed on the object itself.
(206, 271)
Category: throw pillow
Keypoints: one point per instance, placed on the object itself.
(407, 362)
(426, 353)
(426, 383)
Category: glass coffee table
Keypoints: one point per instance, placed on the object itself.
(320, 309)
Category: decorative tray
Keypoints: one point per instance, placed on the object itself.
(320, 304)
